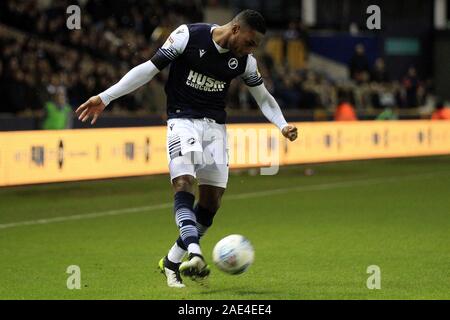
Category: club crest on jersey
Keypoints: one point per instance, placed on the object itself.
(201, 82)
(233, 63)
(202, 52)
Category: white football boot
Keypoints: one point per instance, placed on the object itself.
(195, 268)
(172, 273)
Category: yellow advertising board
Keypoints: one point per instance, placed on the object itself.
(29, 157)
(49, 156)
(335, 141)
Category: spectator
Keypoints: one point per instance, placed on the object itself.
(303, 35)
(292, 32)
(288, 90)
(16, 92)
(310, 87)
(345, 111)
(441, 112)
(379, 73)
(58, 113)
(2, 83)
(387, 114)
(411, 86)
(359, 65)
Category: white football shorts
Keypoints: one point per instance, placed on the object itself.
(198, 147)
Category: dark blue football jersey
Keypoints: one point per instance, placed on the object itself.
(201, 72)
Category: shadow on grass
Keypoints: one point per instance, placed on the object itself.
(238, 292)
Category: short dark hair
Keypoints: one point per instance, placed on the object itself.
(253, 19)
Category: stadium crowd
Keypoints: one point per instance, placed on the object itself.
(84, 62)
(42, 57)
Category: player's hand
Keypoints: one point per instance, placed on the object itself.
(93, 107)
(290, 132)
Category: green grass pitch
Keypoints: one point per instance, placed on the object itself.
(314, 236)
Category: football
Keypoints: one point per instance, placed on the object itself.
(233, 254)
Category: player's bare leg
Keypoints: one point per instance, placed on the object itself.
(210, 198)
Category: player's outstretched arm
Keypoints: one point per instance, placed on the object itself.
(138, 76)
(272, 111)
(135, 78)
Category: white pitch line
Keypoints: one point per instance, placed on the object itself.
(324, 186)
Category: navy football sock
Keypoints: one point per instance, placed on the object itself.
(186, 221)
